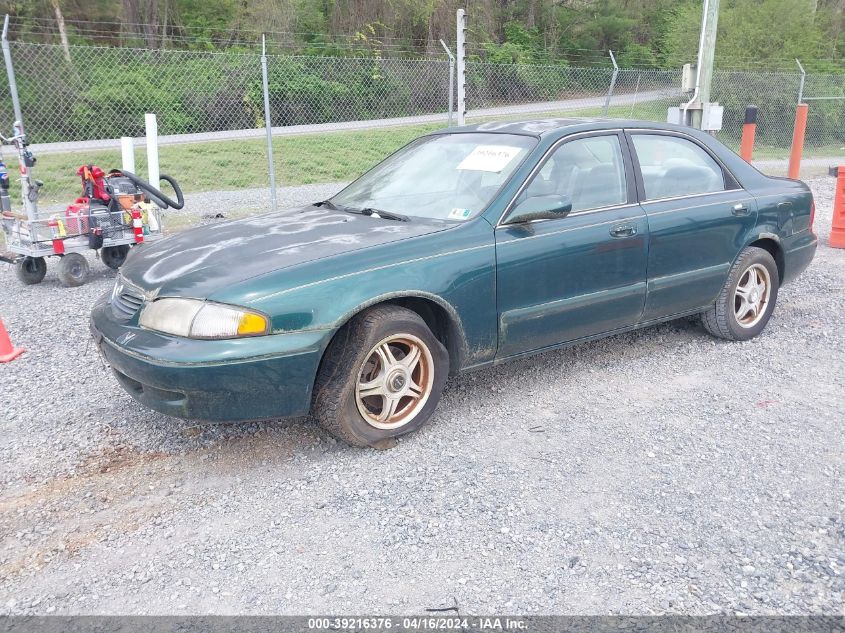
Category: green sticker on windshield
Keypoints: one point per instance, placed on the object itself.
(459, 214)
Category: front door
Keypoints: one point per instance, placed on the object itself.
(698, 217)
(584, 274)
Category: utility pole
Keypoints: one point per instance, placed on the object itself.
(706, 53)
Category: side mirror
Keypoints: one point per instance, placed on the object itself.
(547, 207)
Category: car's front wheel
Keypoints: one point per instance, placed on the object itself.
(748, 298)
(381, 377)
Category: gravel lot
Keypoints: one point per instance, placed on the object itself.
(659, 471)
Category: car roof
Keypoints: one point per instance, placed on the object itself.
(560, 126)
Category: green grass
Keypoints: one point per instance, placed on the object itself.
(222, 165)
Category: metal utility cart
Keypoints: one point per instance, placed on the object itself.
(116, 211)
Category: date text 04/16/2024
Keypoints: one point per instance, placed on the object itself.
(417, 623)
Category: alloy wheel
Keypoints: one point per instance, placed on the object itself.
(752, 295)
(395, 381)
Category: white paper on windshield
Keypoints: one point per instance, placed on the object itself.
(488, 158)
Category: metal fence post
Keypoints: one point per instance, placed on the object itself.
(451, 80)
(461, 70)
(10, 71)
(612, 85)
(801, 83)
(636, 93)
(267, 124)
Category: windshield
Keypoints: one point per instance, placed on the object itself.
(446, 176)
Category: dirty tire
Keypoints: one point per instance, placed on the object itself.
(31, 270)
(336, 404)
(721, 319)
(73, 270)
(114, 256)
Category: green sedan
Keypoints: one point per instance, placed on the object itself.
(467, 248)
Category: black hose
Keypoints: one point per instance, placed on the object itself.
(157, 196)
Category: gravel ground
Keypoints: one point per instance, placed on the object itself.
(659, 471)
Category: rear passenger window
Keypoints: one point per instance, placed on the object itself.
(588, 171)
(673, 166)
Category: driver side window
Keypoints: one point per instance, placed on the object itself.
(588, 171)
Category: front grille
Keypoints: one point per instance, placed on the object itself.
(126, 301)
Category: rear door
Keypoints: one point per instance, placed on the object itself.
(698, 217)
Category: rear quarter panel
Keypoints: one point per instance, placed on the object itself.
(784, 212)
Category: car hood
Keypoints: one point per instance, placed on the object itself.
(201, 261)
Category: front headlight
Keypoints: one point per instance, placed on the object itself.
(193, 318)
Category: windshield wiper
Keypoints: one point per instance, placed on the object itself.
(379, 213)
(369, 211)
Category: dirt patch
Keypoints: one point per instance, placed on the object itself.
(117, 489)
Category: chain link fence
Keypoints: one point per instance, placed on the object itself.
(97, 93)
(334, 117)
(510, 90)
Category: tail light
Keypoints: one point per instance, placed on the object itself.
(812, 214)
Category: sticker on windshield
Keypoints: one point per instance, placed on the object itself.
(488, 158)
(459, 214)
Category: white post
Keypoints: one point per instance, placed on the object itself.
(152, 148)
(462, 57)
(127, 153)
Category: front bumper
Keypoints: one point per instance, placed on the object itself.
(218, 381)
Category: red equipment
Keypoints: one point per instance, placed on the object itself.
(93, 189)
(137, 225)
(94, 182)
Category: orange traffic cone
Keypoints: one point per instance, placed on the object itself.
(7, 352)
(837, 231)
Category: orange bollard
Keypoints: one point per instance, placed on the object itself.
(749, 128)
(837, 231)
(7, 351)
(798, 140)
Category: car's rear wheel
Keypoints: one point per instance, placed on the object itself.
(748, 298)
(381, 377)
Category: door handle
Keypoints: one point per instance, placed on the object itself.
(623, 230)
(740, 209)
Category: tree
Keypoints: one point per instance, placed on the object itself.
(751, 32)
(143, 19)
